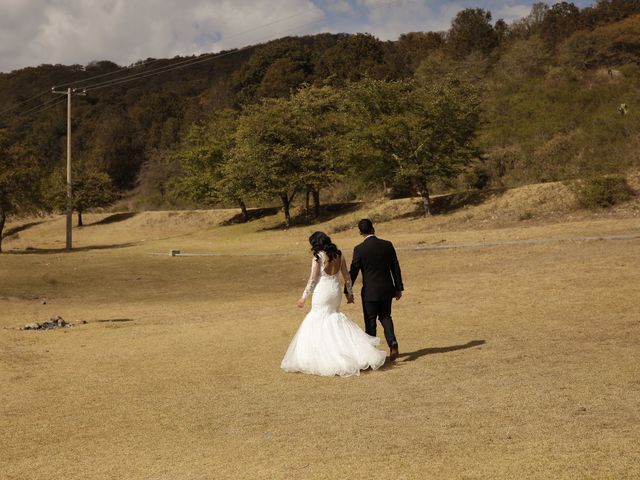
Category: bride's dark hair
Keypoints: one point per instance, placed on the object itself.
(321, 242)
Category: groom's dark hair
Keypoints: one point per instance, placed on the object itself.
(366, 226)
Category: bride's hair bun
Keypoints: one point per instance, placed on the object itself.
(321, 242)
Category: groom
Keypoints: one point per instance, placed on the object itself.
(381, 282)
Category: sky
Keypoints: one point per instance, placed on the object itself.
(35, 32)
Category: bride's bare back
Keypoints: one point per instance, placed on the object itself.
(333, 266)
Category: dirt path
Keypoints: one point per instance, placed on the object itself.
(438, 246)
(532, 241)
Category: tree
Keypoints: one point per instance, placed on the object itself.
(471, 31)
(202, 156)
(371, 104)
(322, 124)
(282, 77)
(277, 67)
(437, 135)
(156, 179)
(271, 150)
(529, 25)
(353, 58)
(117, 147)
(91, 189)
(413, 47)
(416, 133)
(559, 22)
(235, 184)
(608, 11)
(19, 181)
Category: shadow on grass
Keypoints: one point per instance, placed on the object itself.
(443, 204)
(47, 251)
(412, 356)
(12, 231)
(116, 217)
(253, 214)
(327, 212)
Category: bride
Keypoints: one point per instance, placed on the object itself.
(328, 342)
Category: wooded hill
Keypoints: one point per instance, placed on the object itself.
(553, 96)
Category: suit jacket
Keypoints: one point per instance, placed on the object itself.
(381, 276)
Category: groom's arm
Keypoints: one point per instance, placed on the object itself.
(355, 267)
(396, 274)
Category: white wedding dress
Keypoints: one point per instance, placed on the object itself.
(328, 342)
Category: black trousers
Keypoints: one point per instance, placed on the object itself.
(379, 310)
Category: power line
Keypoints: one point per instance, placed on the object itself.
(147, 63)
(151, 62)
(156, 71)
(36, 109)
(58, 102)
(183, 64)
(23, 102)
(39, 109)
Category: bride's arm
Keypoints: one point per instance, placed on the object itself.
(311, 284)
(346, 276)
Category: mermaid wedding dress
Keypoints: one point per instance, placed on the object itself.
(328, 342)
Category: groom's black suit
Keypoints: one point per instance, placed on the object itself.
(381, 279)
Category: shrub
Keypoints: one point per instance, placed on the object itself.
(603, 191)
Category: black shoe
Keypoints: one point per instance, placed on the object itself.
(393, 355)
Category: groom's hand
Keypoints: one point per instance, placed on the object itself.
(398, 295)
(350, 299)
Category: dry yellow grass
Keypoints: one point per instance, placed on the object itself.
(519, 361)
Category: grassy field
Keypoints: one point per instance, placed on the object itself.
(518, 361)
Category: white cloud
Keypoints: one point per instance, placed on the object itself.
(388, 19)
(509, 13)
(342, 7)
(33, 32)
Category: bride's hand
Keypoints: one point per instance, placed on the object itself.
(300, 303)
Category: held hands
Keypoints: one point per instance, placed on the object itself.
(300, 303)
(350, 298)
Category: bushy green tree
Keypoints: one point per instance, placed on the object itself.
(372, 105)
(413, 47)
(271, 150)
(208, 176)
(90, 189)
(409, 132)
(559, 22)
(529, 25)
(435, 138)
(322, 122)
(471, 31)
(19, 181)
(353, 58)
(608, 11)
(280, 66)
(284, 146)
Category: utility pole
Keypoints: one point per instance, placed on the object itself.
(69, 93)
